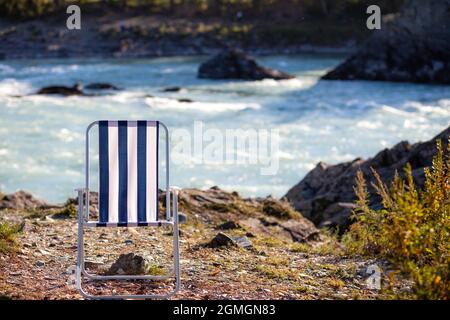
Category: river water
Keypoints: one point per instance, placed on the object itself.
(41, 137)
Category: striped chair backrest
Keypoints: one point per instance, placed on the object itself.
(128, 168)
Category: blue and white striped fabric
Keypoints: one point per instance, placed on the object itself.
(128, 184)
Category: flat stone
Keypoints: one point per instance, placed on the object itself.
(222, 239)
(243, 242)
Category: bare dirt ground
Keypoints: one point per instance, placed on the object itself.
(275, 266)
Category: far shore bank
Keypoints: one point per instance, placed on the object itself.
(109, 32)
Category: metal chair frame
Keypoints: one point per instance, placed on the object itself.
(171, 219)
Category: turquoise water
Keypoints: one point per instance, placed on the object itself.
(41, 137)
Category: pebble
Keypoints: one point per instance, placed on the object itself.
(182, 218)
(44, 252)
(40, 263)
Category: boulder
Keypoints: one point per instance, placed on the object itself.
(235, 64)
(414, 47)
(221, 240)
(326, 196)
(62, 90)
(129, 264)
(22, 200)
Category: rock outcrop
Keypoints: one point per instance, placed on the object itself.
(218, 207)
(414, 47)
(235, 64)
(22, 200)
(128, 264)
(326, 195)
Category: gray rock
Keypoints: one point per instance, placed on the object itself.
(301, 230)
(235, 64)
(222, 239)
(325, 195)
(40, 263)
(182, 218)
(243, 242)
(129, 264)
(414, 47)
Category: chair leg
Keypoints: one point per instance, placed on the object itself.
(80, 242)
(80, 257)
(176, 242)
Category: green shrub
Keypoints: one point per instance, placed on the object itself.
(8, 233)
(412, 229)
(69, 211)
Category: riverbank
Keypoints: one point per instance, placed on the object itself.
(107, 31)
(273, 264)
(249, 248)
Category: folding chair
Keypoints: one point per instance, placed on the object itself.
(128, 193)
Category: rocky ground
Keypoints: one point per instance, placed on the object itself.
(231, 248)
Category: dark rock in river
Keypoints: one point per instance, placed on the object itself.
(326, 195)
(415, 47)
(62, 90)
(172, 89)
(234, 64)
(101, 86)
(185, 100)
